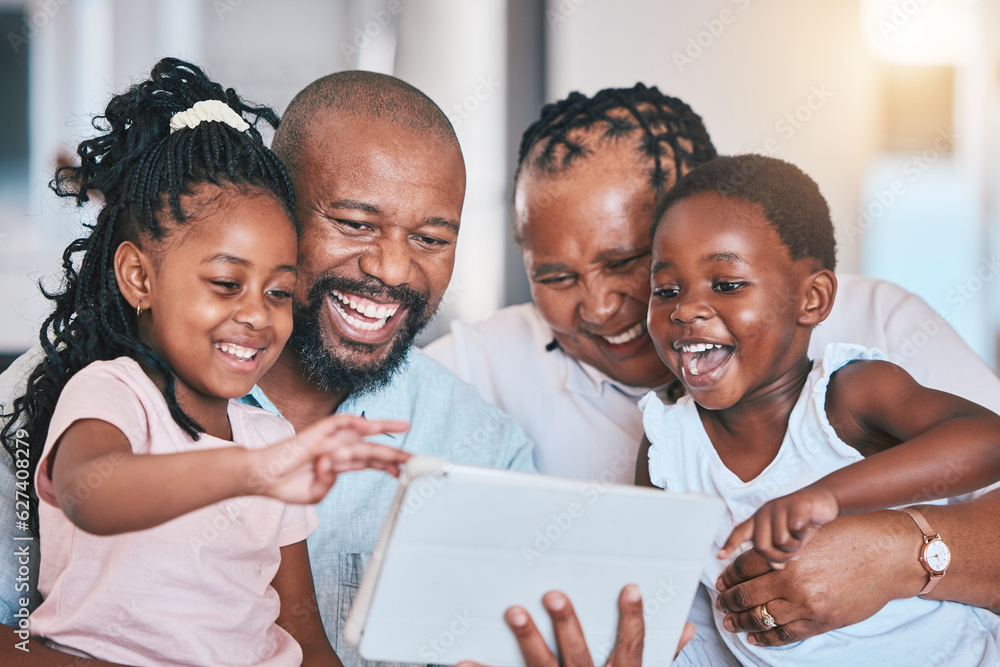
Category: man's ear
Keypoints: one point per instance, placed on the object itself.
(132, 272)
(820, 288)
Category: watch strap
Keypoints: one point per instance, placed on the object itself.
(929, 535)
(918, 518)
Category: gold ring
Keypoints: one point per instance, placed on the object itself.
(767, 619)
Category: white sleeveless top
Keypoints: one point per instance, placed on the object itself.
(906, 632)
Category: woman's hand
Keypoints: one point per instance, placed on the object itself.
(838, 579)
(569, 635)
(302, 469)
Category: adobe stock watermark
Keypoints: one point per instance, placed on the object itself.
(484, 436)
(792, 121)
(432, 650)
(453, 294)
(124, 622)
(362, 35)
(956, 471)
(228, 511)
(959, 296)
(796, 119)
(558, 524)
(223, 7)
(470, 104)
(23, 543)
(86, 485)
(422, 490)
(899, 15)
(704, 39)
(666, 591)
(562, 12)
(912, 170)
(225, 517)
(35, 21)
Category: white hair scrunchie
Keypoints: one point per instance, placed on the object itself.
(207, 110)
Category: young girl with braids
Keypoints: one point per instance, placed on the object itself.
(165, 533)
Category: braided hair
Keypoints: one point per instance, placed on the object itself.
(140, 169)
(670, 135)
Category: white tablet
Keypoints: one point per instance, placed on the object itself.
(461, 544)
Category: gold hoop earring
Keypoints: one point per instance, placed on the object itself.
(138, 310)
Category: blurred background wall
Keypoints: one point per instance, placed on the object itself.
(891, 105)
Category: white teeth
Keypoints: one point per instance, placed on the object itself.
(697, 348)
(629, 335)
(244, 353)
(359, 324)
(370, 310)
(700, 347)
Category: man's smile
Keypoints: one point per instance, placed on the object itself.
(367, 315)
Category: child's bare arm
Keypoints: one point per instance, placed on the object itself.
(642, 463)
(106, 489)
(299, 614)
(921, 445)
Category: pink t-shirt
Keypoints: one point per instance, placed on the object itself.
(192, 591)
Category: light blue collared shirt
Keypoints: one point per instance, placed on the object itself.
(448, 419)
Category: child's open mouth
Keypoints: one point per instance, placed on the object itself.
(703, 358)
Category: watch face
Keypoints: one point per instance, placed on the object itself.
(937, 555)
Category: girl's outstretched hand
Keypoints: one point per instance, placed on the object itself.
(783, 526)
(302, 469)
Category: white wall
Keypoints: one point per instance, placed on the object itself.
(743, 65)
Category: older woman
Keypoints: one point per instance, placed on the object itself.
(571, 366)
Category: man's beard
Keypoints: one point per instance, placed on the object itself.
(319, 355)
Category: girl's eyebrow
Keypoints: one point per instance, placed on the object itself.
(228, 259)
(239, 261)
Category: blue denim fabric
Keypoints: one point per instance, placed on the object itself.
(448, 419)
(15, 581)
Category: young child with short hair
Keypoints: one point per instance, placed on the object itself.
(743, 260)
(173, 518)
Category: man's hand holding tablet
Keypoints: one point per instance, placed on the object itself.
(572, 645)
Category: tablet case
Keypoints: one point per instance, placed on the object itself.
(461, 544)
